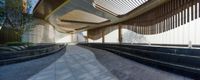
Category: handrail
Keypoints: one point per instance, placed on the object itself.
(152, 44)
(191, 69)
(19, 56)
(180, 62)
(169, 53)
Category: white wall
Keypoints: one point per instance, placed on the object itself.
(180, 35)
(95, 41)
(78, 37)
(43, 32)
(132, 37)
(81, 37)
(62, 37)
(112, 37)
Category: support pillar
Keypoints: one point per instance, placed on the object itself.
(86, 39)
(103, 35)
(77, 37)
(120, 34)
(72, 38)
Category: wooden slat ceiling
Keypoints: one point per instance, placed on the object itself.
(118, 7)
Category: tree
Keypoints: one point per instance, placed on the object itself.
(19, 21)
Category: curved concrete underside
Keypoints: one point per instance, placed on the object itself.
(86, 5)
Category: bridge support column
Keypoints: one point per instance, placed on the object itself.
(120, 34)
(103, 35)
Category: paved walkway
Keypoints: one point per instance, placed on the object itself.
(125, 69)
(76, 64)
(24, 70)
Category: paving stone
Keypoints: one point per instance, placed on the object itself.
(76, 64)
(125, 69)
(26, 70)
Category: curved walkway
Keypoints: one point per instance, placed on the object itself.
(125, 69)
(76, 64)
(24, 70)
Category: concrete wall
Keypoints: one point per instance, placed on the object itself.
(78, 37)
(43, 32)
(181, 35)
(111, 37)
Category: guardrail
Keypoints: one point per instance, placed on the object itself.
(29, 54)
(179, 60)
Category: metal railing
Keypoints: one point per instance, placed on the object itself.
(29, 54)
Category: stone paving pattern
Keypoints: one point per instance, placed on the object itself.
(125, 69)
(24, 70)
(76, 64)
(84, 63)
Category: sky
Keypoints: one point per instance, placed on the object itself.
(2, 3)
(32, 5)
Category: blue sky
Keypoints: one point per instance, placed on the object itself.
(2, 2)
(32, 5)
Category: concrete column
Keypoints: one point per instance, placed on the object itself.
(86, 38)
(72, 38)
(103, 35)
(77, 38)
(120, 33)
